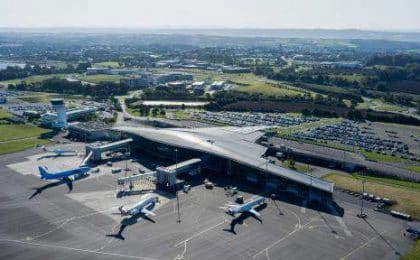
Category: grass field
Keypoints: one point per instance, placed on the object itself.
(413, 254)
(268, 89)
(100, 78)
(4, 114)
(376, 157)
(354, 77)
(414, 168)
(38, 97)
(107, 64)
(20, 145)
(379, 105)
(33, 79)
(297, 167)
(13, 132)
(247, 82)
(327, 89)
(405, 193)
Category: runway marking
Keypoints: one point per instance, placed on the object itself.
(75, 249)
(109, 241)
(281, 239)
(303, 208)
(181, 256)
(363, 245)
(340, 221)
(344, 226)
(65, 221)
(199, 233)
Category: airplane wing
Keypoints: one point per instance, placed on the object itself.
(147, 212)
(253, 211)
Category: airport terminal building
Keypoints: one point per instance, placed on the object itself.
(228, 150)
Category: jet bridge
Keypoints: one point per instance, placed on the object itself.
(98, 149)
(148, 176)
(166, 176)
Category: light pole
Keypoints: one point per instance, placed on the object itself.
(176, 188)
(362, 214)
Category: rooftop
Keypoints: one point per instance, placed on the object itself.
(236, 144)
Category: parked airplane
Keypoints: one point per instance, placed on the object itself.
(67, 174)
(142, 207)
(57, 152)
(234, 208)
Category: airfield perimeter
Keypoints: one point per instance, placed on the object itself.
(56, 223)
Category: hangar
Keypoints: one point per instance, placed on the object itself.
(230, 150)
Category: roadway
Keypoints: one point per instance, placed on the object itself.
(316, 151)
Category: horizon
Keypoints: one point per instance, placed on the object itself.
(375, 15)
(414, 30)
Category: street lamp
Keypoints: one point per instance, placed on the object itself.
(176, 188)
(362, 214)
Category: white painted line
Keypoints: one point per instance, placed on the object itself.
(75, 249)
(199, 233)
(304, 205)
(344, 226)
(362, 246)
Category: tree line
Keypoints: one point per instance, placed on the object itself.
(103, 90)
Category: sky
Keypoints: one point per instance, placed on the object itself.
(325, 14)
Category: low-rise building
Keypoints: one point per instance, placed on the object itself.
(217, 85)
(89, 131)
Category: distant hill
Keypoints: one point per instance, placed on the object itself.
(407, 36)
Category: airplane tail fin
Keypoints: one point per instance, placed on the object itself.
(43, 172)
(123, 211)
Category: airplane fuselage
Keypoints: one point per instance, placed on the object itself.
(63, 174)
(142, 204)
(247, 206)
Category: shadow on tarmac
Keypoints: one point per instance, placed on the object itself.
(39, 190)
(326, 206)
(243, 216)
(129, 221)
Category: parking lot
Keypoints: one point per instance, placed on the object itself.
(83, 223)
(363, 136)
(251, 119)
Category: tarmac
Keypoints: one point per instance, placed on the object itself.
(46, 220)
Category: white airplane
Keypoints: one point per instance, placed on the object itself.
(234, 208)
(141, 207)
(57, 152)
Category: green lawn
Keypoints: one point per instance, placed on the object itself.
(33, 79)
(269, 89)
(414, 168)
(133, 111)
(379, 105)
(377, 157)
(13, 132)
(327, 89)
(414, 253)
(353, 77)
(107, 64)
(4, 114)
(297, 167)
(100, 78)
(20, 145)
(405, 193)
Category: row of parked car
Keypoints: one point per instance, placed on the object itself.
(252, 118)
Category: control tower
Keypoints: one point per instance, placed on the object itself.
(60, 108)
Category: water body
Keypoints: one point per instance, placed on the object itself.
(4, 65)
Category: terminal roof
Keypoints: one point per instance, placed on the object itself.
(234, 143)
